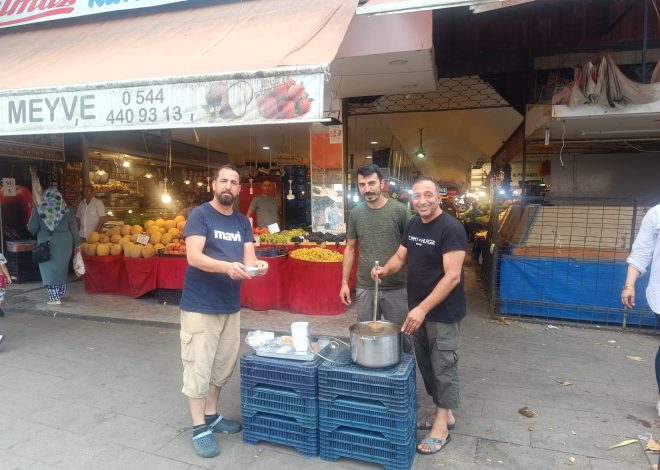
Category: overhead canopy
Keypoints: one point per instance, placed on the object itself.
(380, 7)
(207, 65)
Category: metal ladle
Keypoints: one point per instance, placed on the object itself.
(374, 325)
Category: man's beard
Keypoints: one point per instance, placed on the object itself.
(225, 199)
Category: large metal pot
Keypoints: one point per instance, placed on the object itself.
(373, 348)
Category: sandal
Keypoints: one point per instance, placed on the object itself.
(435, 445)
(426, 423)
(205, 445)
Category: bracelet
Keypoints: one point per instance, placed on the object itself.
(628, 286)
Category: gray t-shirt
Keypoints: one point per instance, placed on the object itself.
(378, 233)
(266, 209)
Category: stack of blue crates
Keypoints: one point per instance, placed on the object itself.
(368, 414)
(279, 400)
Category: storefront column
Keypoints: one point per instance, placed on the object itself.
(85, 159)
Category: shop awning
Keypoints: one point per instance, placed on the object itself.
(381, 7)
(182, 66)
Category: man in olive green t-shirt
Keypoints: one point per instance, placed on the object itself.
(375, 228)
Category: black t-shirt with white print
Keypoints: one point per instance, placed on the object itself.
(426, 243)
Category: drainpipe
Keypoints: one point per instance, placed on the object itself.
(645, 4)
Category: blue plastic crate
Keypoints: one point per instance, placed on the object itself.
(369, 415)
(281, 430)
(280, 401)
(368, 446)
(299, 376)
(392, 386)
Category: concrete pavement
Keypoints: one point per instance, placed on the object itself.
(80, 394)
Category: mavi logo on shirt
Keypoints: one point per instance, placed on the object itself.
(219, 234)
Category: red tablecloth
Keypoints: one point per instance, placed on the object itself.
(142, 275)
(105, 275)
(269, 291)
(314, 287)
(171, 272)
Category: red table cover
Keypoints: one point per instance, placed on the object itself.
(314, 287)
(269, 291)
(171, 272)
(142, 275)
(105, 275)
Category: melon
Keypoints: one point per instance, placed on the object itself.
(126, 230)
(93, 237)
(149, 223)
(181, 225)
(148, 252)
(115, 238)
(169, 224)
(179, 218)
(102, 249)
(136, 230)
(116, 230)
(160, 222)
(158, 246)
(155, 237)
(125, 239)
(115, 249)
(91, 249)
(104, 239)
(134, 238)
(166, 238)
(173, 231)
(135, 251)
(83, 248)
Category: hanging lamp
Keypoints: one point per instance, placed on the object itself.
(420, 151)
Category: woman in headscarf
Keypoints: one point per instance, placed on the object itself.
(52, 220)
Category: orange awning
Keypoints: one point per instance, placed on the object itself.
(175, 45)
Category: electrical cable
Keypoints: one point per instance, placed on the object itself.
(561, 150)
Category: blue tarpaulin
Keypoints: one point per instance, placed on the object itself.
(570, 289)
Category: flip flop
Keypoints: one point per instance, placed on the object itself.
(433, 444)
(426, 423)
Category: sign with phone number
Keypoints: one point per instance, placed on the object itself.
(209, 103)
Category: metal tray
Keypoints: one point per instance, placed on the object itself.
(275, 348)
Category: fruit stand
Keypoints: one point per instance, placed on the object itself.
(140, 270)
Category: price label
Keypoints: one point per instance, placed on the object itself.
(143, 239)
(9, 186)
(274, 228)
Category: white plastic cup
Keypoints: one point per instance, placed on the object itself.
(299, 333)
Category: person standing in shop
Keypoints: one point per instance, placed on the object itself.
(433, 246)
(90, 214)
(264, 205)
(52, 221)
(219, 246)
(5, 279)
(646, 251)
(375, 228)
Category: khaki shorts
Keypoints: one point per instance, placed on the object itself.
(209, 350)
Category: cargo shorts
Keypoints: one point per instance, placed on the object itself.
(436, 351)
(210, 345)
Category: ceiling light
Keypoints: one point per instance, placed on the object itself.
(374, 142)
(398, 62)
(265, 147)
(369, 157)
(186, 182)
(200, 184)
(547, 136)
(420, 151)
(126, 164)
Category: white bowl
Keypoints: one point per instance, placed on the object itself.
(252, 270)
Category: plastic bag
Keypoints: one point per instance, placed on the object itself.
(78, 265)
(258, 338)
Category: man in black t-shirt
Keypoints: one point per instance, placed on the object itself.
(434, 246)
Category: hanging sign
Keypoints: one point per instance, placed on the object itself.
(22, 12)
(153, 105)
(336, 134)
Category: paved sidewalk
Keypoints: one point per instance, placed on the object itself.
(80, 394)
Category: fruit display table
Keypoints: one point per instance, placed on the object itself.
(313, 288)
(142, 275)
(171, 271)
(105, 275)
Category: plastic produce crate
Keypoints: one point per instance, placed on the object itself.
(169, 296)
(367, 445)
(297, 376)
(392, 386)
(281, 430)
(280, 401)
(369, 415)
